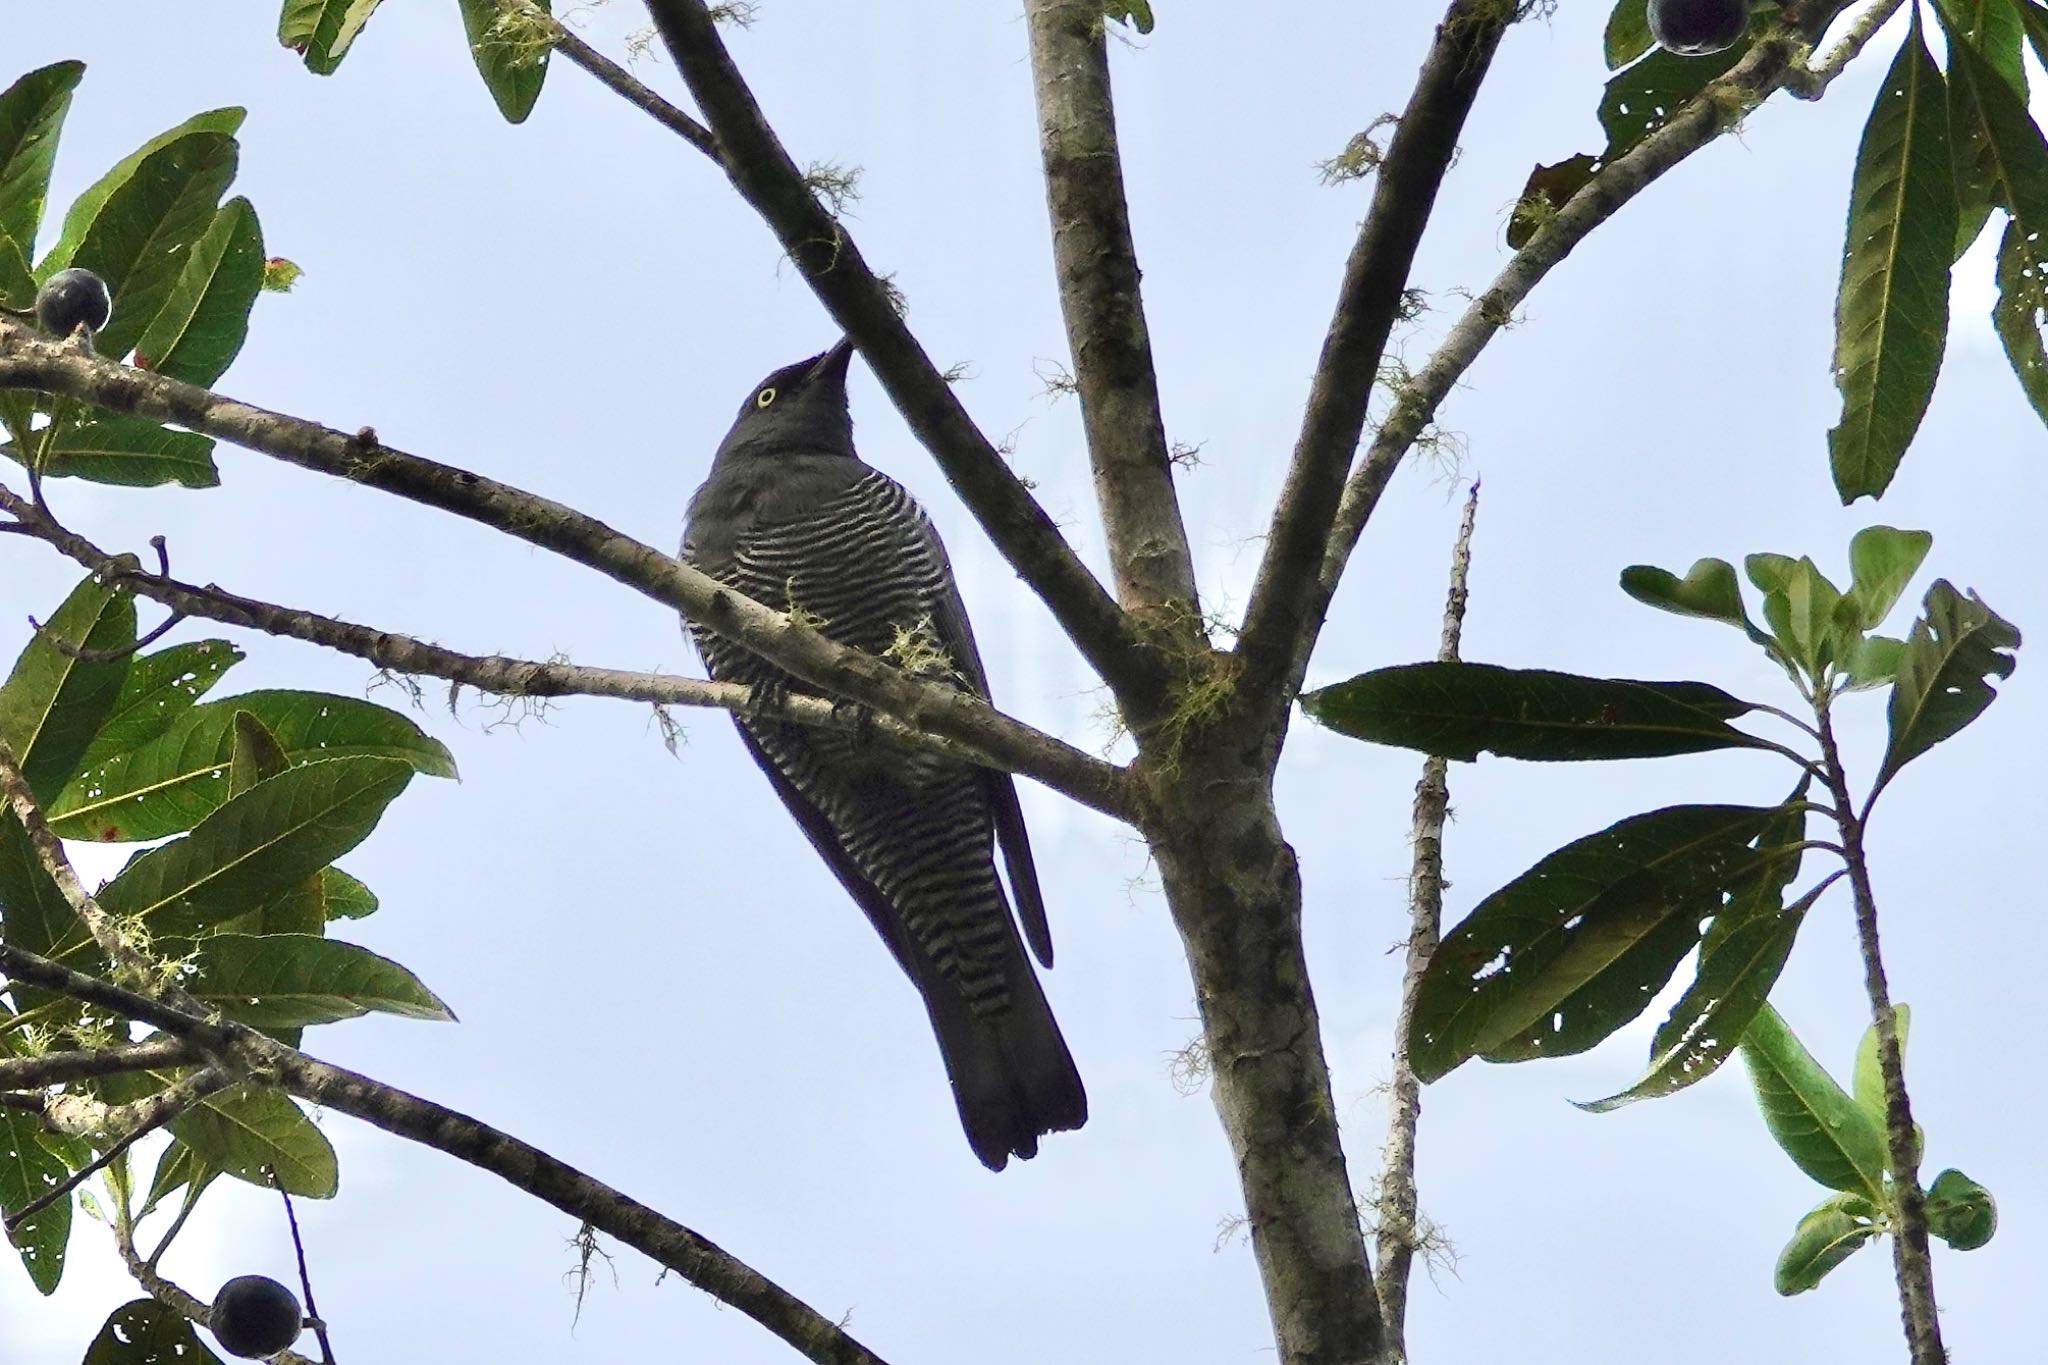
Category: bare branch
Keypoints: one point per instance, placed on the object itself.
(1400, 1233)
(1059, 765)
(628, 87)
(26, 361)
(1104, 311)
(55, 1068)
(1712, 112)
(1811, 82)
(765, 176)
(1283, 615)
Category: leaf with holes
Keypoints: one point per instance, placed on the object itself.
(1559, 958)
(160, 688)
(1459, 710)
(1983, 44)
(146, 1332)
(1944, 681)
(1891, 314)
(174, 781)
(247, 1131)
(1825, 1238)
(28, 1170)
(1827, 1134)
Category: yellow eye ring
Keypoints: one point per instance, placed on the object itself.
(764, 398)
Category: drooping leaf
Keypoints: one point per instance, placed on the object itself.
(1825, 1238)
(86, 208)
(1459, 710)
(1944, 681)
(511, 51)
(1891, 315)
(290, 980)
(160, 688)
(1883, 560)
(1866, 1083)
(1574, 948)
(1960, 1211)
(245, 1131)
(31, 116)
(146, 1332)
(1708, 589)
(171, 783)
(34, 915)
(2017, 315)
(52, 705)
(1990, 30)
(177, 1168)
(1740, 958)
(255, 754)
(129, 451)
(258, 845)
(140, 239)
(1627, 35)
(201, 326)
(321, 31)
(1827, 1134)
(27, 1170)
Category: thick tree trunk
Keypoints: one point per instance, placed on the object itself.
(1235, 892)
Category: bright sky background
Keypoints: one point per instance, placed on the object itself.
(660, 983)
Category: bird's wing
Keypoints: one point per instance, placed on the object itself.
(956, 635)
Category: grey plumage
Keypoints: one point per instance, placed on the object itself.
(792, 517)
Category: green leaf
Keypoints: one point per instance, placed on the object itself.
(129, 451)
(33, 914)
(280, 275)
(1628, 33)
(146, 1332)
(256, 755)
(171, 783)
(344, 897)
(1891, 316)
(1867, 1081)
(1873, 662)
(31, 116)
(1801, 613)
(1708, 589)
(52, 705)
(1990, 30)
(27, 1170)
(511, 51)
(2017, 316)
(17, 281)
(1956, 647)
(1574, 948)
(1459, 710)
(1827, 1134)
(245, 1131)
(86, 208)
(159, 688)
(178, 1167)
(140, 239)
(321, 31)
(258, 845)
(201, 326)
(1825, 1238)
(290, 980)
(1883, 560)
(1960, 1211)
(1740, 959)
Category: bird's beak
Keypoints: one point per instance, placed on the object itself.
(832, 365)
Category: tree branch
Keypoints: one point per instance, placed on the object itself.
(244, 1051)
(630, 88)
(1059, 765)
(1398, 1206)
(819, 245)
(1283, 616)
(173, 1296)
(56, 1068)
(1105, 313)
(1712, 112)
(26, 361)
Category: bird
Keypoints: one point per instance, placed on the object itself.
(791, 516)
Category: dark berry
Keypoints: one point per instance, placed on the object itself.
(254, 1316)
(1696, 28)
(71, 297)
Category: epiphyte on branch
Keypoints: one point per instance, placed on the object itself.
(254, 1316)
(73, 298)
(1697, 28)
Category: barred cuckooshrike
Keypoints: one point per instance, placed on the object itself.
(791, 517)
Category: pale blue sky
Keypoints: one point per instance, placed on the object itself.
(660, 983)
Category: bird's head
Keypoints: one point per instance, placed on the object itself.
(799, 409)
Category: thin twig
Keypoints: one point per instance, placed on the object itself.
(150, 1114)
(630, 88)
(1912, 1262)
(1398, 1205)
(313, 1317)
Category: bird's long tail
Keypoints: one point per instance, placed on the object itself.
(1013, 1078)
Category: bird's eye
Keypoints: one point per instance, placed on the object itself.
(764, 398)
